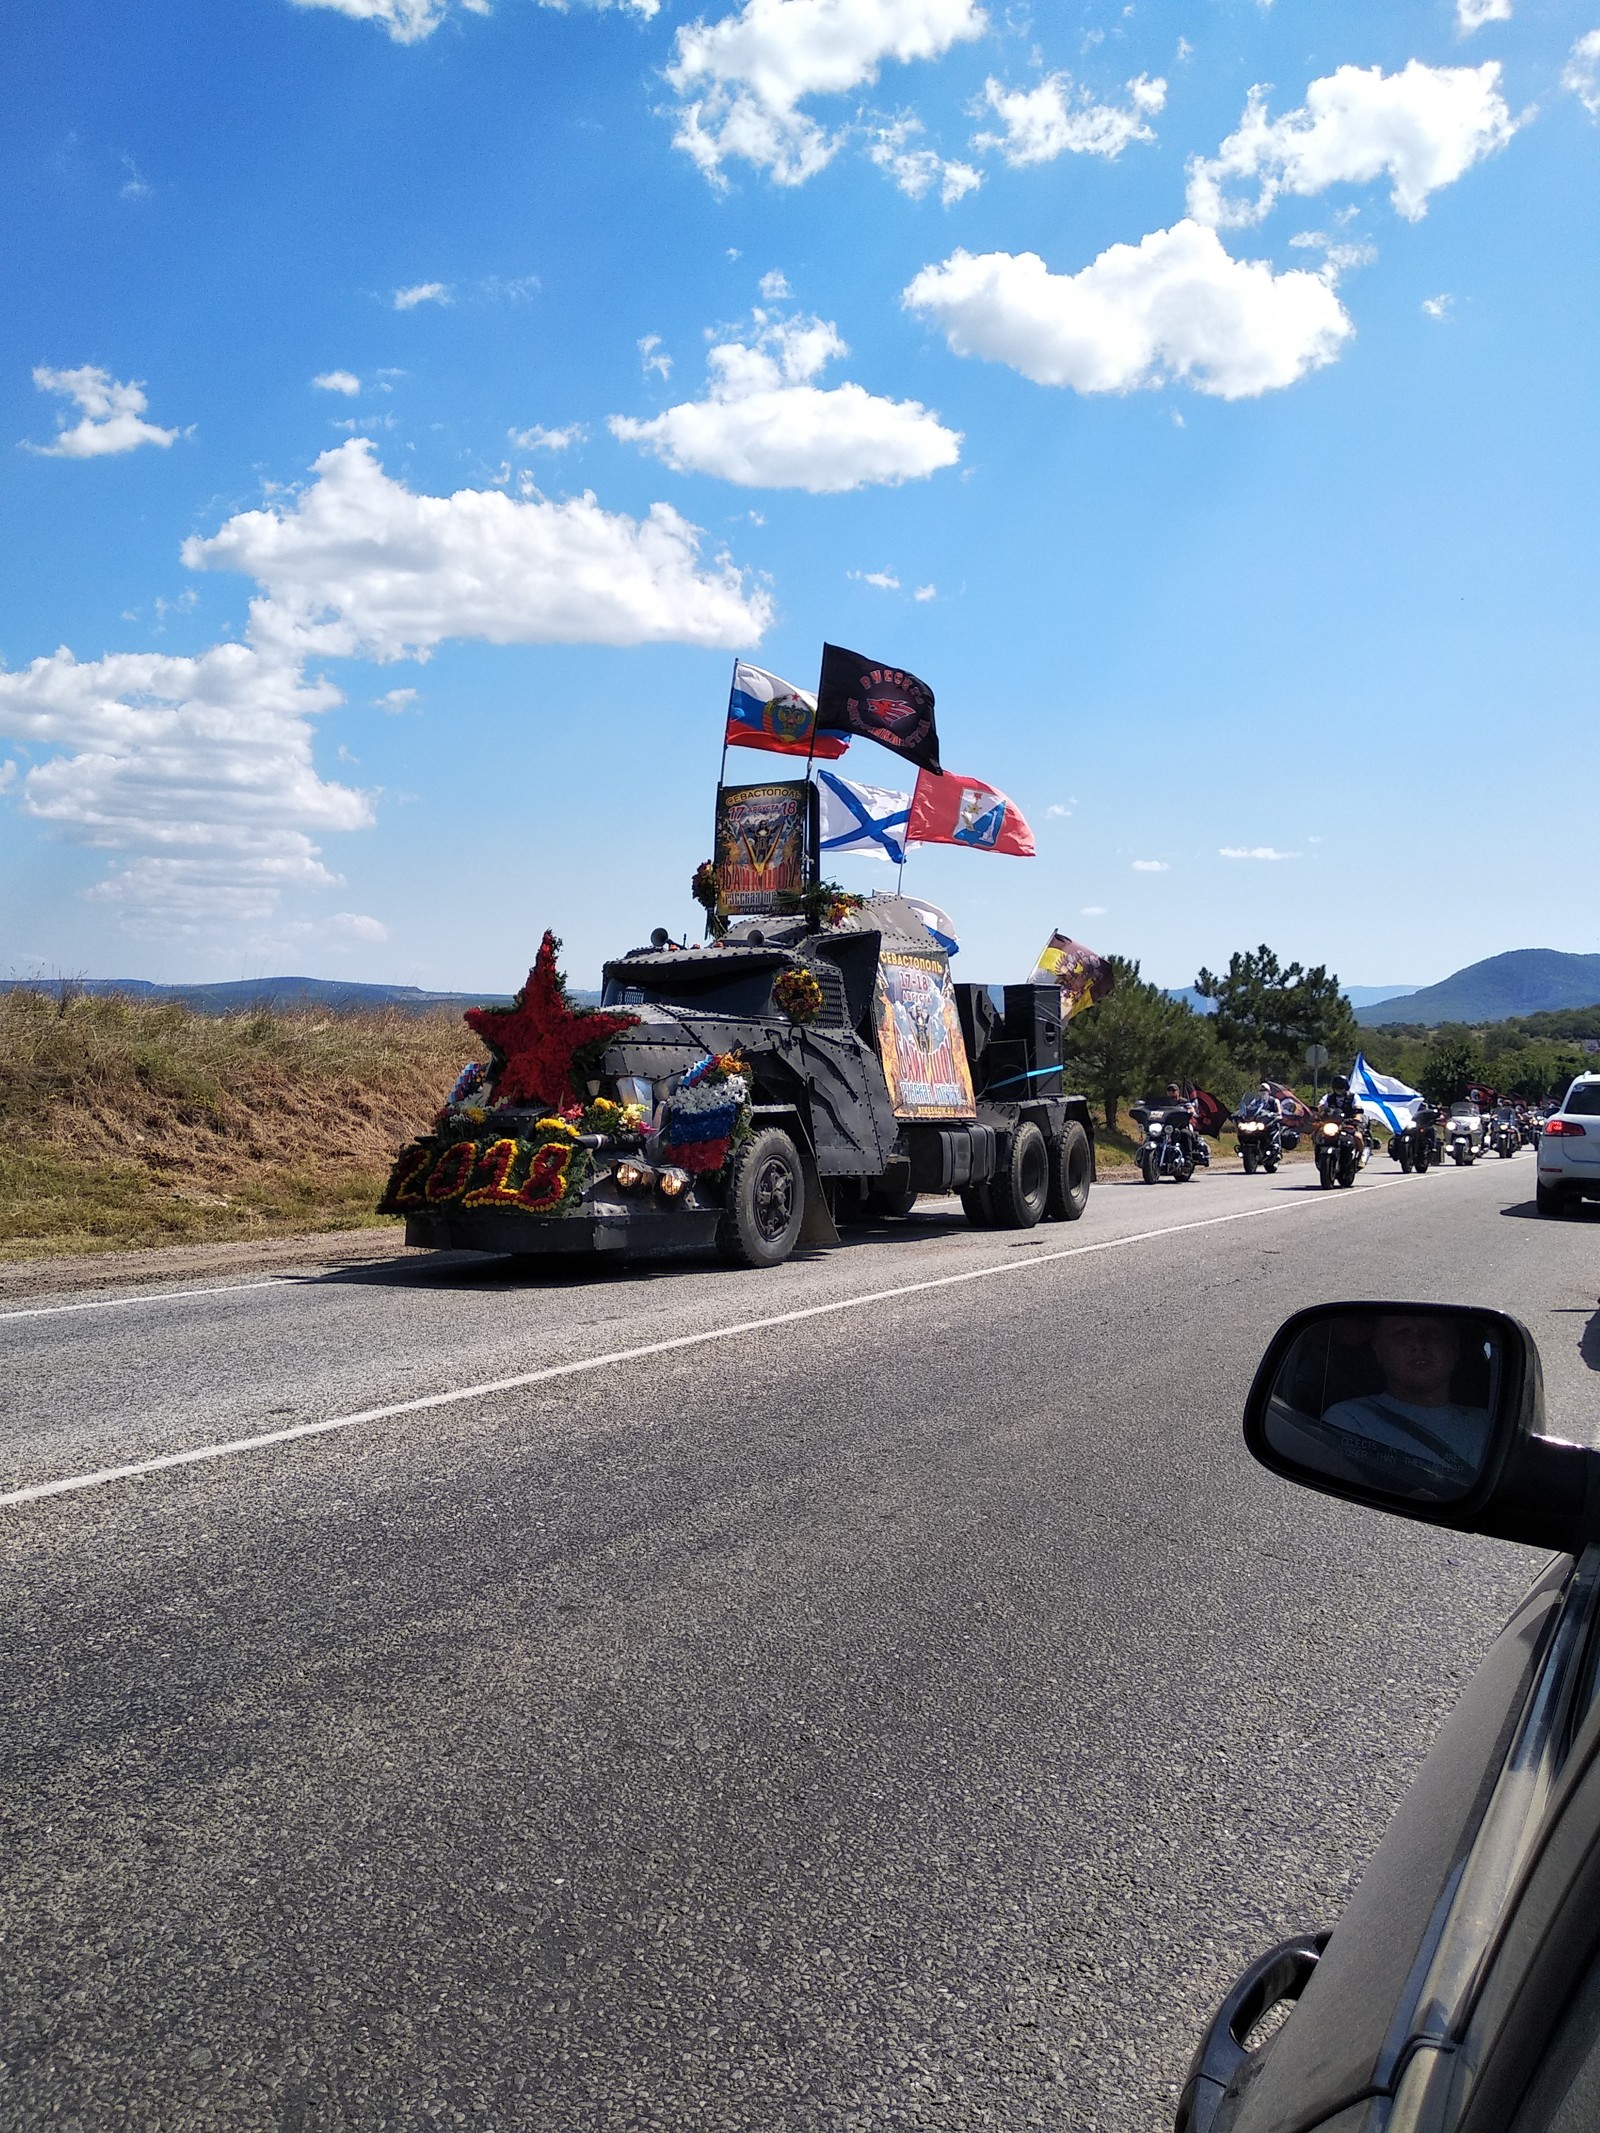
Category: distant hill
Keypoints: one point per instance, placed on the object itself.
(286, 995)
(1357, 995)
(1525, 981)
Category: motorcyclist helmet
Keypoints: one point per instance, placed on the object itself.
(1340, 1085)
(1266, 1088)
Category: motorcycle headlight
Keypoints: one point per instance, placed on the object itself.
(1330, 1128)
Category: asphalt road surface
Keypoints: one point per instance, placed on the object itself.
(876, 1693)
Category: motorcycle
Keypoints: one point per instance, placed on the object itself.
(1461, 1140)
(1414, 1147)
(1340, 1148)
(1171, 1146)
(1501, 1135)
(1261, 1142)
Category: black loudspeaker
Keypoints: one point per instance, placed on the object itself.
(1033, 1020)
(980, 1023)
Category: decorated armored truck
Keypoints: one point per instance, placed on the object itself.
(750, 1094)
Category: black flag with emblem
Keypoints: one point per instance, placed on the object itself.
(882, 704)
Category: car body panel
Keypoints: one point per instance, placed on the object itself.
(1340, 2043)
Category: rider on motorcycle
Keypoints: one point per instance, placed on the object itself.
(1339, 1103)
(1196, 1147)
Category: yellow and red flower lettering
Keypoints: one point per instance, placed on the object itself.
(546, 1184)
(450, 1174)
(405, 1184)
(493, 1173)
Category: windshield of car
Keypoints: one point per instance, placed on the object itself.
(1583, 1100)
(745, 993)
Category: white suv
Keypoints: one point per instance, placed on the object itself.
(1569, 1149)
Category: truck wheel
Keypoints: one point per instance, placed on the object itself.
(766, 1201)
(1069, 1174)
(1019, 1190)
(895, 1205)
(975, 1206)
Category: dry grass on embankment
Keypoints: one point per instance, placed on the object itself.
(124, 1124)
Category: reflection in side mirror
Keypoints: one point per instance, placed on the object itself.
(1401, 1400)
(1432, 1411)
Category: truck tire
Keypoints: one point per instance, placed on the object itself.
(1069, 1174)
(975, 1206)
(893, 1205)
(766, 1201)
(1020, 1188)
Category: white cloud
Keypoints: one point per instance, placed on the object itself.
(1054, 119)
(1151, 866)
(408, 21)
(394, 701)
(885, 580)
(358, 926)
(199, 767)
(8, 774)
(1438, 306)
(740, 80)
(925, 593)
(1253, 851)
(1473, 14)
(1421, 128)
(539, 439)
(1582, 72)
(198, 771)
(916, 170)
(422, 292)
(775, 286)
(765, 425)
(1093, 911)
(111, 414)
(362, 564)
(1057, 811)
(651, 358)
(338, 381)
(136, 186)
(1176, 305)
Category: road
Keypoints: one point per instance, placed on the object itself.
(906, 1711)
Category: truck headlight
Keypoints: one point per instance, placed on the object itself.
(672, 1183)
(634, 1177)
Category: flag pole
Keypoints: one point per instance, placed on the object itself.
(811, 756)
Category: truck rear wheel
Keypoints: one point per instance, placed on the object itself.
(766, 1201)
(1020, 1188)
(1069, 1174)
(894, 1206)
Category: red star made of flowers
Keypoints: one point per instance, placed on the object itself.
(537, 1039)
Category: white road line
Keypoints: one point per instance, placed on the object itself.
(204, 1452)
(156, 1296)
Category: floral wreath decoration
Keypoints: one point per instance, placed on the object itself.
(708, 1113)
(798, 994)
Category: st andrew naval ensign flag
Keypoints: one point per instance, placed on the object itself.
(882, 704)
(764, 711)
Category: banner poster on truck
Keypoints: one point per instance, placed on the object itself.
(762, 846)
(919, 1039)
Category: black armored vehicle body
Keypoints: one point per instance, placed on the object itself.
(774, 1083)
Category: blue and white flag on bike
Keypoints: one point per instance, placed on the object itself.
(863, 818)
(1381, 1096)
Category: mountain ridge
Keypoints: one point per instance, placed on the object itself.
(1522, 981)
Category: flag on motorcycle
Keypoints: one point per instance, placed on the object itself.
(1210, 1113)
(1083, 976)
(1293, 1109)
(765, 711)
(862, 818)
(1382, 1097)
(882, 704)
(947, 809)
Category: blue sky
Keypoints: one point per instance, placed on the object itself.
(413, 406)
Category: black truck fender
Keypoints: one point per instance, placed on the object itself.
(816, 1225)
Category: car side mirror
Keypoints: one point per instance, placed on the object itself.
(1431, 1411)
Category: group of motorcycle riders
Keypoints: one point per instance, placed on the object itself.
(1268, 1125)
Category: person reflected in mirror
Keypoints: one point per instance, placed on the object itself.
(1415, 1427)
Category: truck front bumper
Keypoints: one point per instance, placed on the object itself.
(628, 1232)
